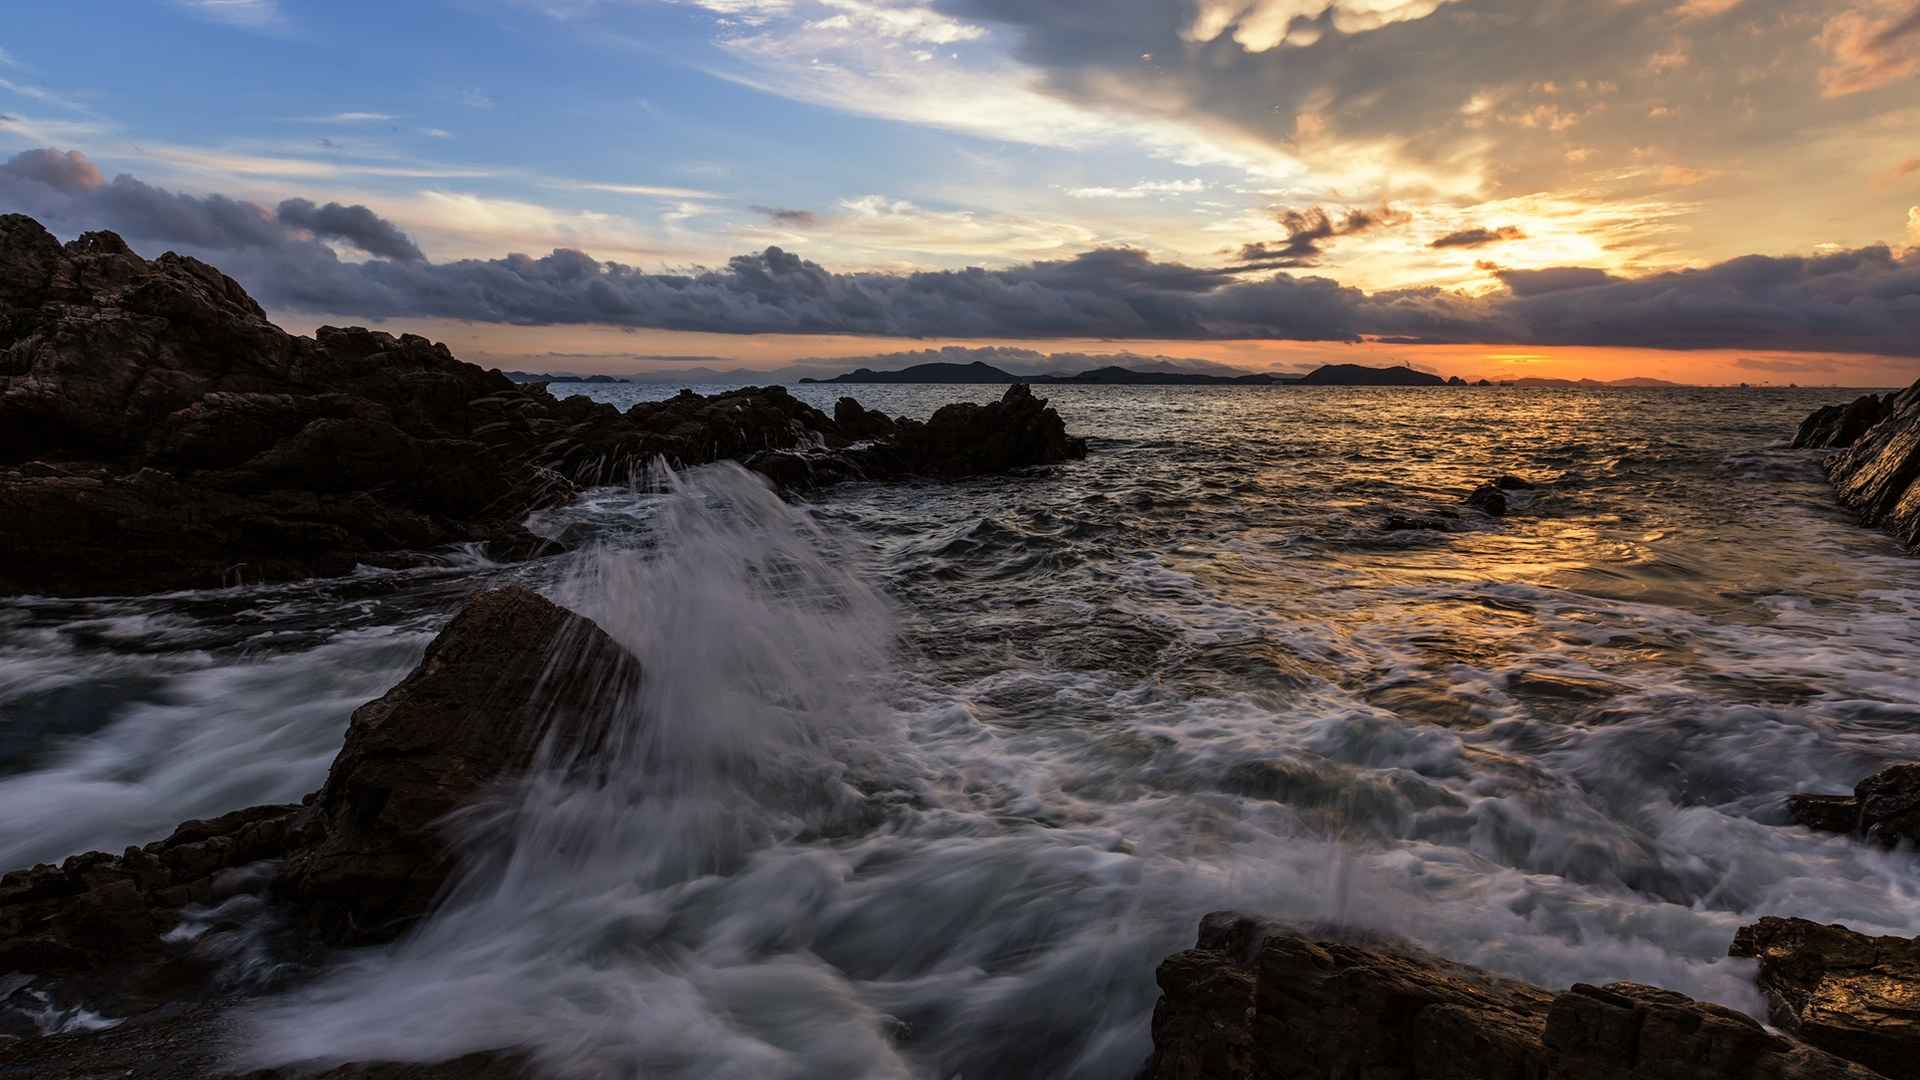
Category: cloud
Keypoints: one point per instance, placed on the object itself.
(255, 14)
(68, 172)
(1551, 279)
(42, 95)
(799, 219)
(1479, 237)
(1913, 224)
(1870, 44)
(1861, 301)
(1140, 190)
(348, 118)
(354, 225)
(67, 191)
(1260, 25)
(1307, 232)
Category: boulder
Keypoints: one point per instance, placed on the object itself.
(514, 676)
(1884, 808)
(856, 421)
(1875, 476)
(967, 439)
(1836, 427)
(1852, 995)
(1257, 1001)
(514, 679)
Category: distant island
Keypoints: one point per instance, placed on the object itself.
(980, 372)
(530, 377)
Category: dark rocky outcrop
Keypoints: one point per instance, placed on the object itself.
(1254, 1001)
(157, 432)
(1849, 994)
(966, 439)
(1489, 499)
(1836, 427)
(512, 677)
(1883, 809)
(1876, 475)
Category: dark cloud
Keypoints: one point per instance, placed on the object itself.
(799, 219)
(1552, 279)
(1864, 301)
(67, 172)
(1307, 233)
(1908, 25)
(66, 191)
(355, 225)
(1479, 237)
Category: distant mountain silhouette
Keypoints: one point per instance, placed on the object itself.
(1357, 375)
(980, 372)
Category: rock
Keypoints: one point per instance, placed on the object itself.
(1435, 522)
(1836, 427)
(512, 671)
(1456, 380)
(1852, 995)
(1875, 476)
(1510, 482)
(1255, 1001)
(1489, 499)
(513, 677)
(1626, 1031)
(967, 439)
(1883, 809)
(157, 432)
(859, 422)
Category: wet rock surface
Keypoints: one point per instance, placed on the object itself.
(1263, 1002)
(1850, 994)
(1875, 476)
(1884, 808)
(514, 676)
(157, 432)
(1836, 427)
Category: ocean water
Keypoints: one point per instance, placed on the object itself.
(926, 779)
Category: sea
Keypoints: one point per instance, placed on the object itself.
(929, 777)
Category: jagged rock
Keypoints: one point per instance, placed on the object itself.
(967, 439)
(1883, 809)
(157, 432)
(511, 673)
(512, 677)
(1510, 482)
(1255, 1001)
(1489, 499)
(1456, 380)
(1847, 993)
(1836, 427)
(859, 422)
(1875, 476)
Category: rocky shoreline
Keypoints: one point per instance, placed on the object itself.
(1875, 464)
(158, 433)
(153, 937)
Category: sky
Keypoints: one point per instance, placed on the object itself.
(1697, 190)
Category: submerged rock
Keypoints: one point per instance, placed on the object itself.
(1255, 1001)
(1489, 499)
(1836, 427)
(1847, 993)
(1883, 809)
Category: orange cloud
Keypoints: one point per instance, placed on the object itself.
(1872, 44)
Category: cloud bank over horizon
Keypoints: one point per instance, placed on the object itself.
(337, 258)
